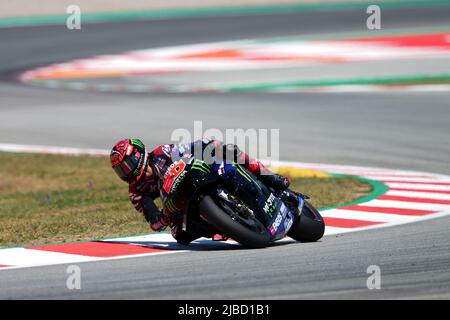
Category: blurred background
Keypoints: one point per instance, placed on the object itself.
(343, 83)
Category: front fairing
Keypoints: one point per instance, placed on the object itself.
(177, 191)
(282, 218)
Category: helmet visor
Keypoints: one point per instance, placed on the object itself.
(120, 172)
(124, 169)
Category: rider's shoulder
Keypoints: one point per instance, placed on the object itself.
(163, 149)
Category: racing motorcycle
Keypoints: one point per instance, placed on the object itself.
(241, 207)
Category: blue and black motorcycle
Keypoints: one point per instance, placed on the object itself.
(228, 200)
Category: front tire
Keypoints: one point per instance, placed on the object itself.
(216, 216)
(308, 226)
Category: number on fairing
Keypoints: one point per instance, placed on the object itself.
(173, 175)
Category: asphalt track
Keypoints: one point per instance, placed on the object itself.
(392, 130)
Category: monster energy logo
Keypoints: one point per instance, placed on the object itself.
(137, 142)
(247, 176)
(270, 205)
(244, 173)
(137, 171)
(200, 165)
(171, 207)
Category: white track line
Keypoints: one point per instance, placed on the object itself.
(406, 205)
(366, 216)
(417, 186)
(393, 179)
(8, 147)
(26, 257)
(425, 195)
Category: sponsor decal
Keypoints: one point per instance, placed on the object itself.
(177, 181)
(277, 222)
(172, 174)
(274, 227)
(270, 205)
(201, 166)
(288, 222)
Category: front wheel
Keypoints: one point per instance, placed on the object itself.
(249, 232)
(308, 226)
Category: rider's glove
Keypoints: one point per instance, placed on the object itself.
(158, 221)
(275, 181)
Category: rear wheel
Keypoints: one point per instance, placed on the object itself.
(309, 226)
(249, 232)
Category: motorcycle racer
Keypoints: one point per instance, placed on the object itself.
(145, 172)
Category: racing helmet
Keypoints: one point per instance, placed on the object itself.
(129, 159)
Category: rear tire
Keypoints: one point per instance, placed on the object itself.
(217, 217)
(309, 226)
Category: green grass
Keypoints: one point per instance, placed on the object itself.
(328, 192)
(54, 198)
